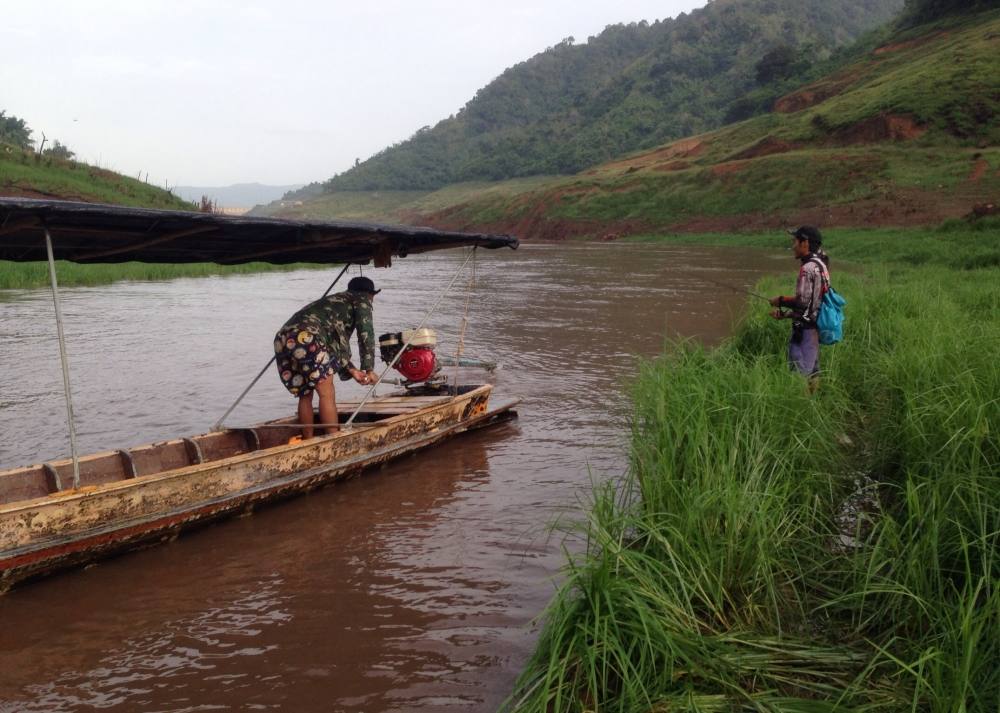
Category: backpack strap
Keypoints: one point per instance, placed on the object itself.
(823, 272)
(824, 277)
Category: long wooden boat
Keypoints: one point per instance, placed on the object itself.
(69, 512)
(131, 497)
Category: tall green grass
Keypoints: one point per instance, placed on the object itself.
(777, 549)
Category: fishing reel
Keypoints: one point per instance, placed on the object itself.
(418, 362)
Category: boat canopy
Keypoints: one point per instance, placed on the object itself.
(96, 233)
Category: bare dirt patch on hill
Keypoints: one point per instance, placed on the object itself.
(768, 146)
(979, 170)
(817, 93)
(908, 44)
(728, 168)
(19, 192)
(908, 207)
(673, 166)
(657, 159)
(878, 129)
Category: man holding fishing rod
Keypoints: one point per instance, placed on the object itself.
(803, 307)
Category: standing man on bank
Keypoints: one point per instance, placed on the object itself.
(803, 307)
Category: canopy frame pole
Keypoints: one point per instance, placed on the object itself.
(465, 323)
(64, 359)
(348, 423)
(217, 426)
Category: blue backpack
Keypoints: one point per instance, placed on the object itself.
(830, 321)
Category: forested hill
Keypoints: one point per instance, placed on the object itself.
(631, 87)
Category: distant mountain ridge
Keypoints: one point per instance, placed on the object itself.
(631, 87)
(900, 130)
(238, 195)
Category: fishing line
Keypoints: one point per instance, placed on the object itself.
(465, 321)
(733, 288)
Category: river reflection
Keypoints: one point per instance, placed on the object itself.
(411, 588)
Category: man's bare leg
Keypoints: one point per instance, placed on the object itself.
(306, 415)
(328, 403)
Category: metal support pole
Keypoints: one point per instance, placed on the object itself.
(465, 323)
(64, 359)
(392, 363)
(218, 424)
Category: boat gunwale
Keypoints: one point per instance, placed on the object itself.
(25, 566)
(69, 495)
(9, 558)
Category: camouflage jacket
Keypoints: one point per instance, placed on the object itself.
(333, 319)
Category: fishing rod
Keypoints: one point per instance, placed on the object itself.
(218, 424)
(736, 289)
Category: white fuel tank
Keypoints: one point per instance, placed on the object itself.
(425, 337)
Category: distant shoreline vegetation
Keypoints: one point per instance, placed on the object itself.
(31, 275)
(958, 244)
(955, 244)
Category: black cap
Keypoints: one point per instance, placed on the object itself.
(362, 284)
(807, 232)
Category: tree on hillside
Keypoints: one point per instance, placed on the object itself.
(59, 150)
(780, 63)
(14, 131)
(918, 11)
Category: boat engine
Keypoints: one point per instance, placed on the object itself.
(418, 362)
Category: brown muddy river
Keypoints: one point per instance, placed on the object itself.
(415, 587)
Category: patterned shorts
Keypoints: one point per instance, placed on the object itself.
(303, 360)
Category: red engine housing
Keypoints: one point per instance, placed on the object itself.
(417, 363)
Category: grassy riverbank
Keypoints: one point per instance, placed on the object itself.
(956, 244)
(25, 173)
(776, 550)
(26, 275)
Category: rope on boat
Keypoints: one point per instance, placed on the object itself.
(349, 422)
(64, 359)
(218, 424)
(465, 323)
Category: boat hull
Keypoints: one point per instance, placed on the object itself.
(74, 527)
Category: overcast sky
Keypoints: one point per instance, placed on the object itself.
(212, 93)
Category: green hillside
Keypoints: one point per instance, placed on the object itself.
(25, 173)
(631, 87)
(54, 174)
(903, 134)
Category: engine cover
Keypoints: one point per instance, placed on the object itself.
(417, 364)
